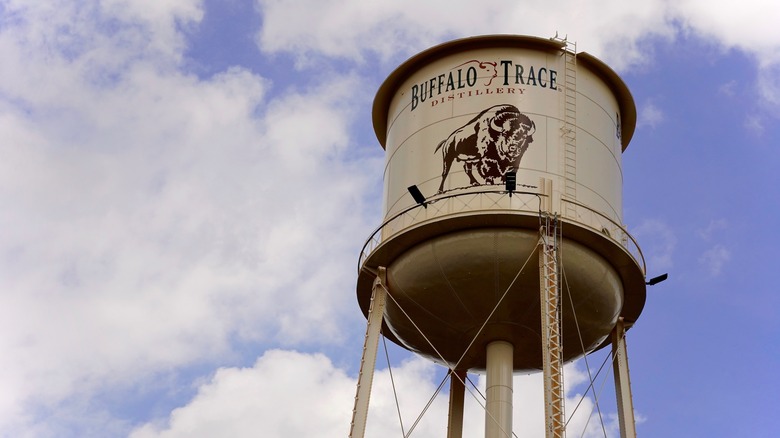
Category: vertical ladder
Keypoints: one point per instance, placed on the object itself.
(569, 125)
(552, 362)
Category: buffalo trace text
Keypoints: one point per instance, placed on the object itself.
(477, 92)
(460, 79)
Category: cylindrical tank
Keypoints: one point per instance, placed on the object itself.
(454, 121)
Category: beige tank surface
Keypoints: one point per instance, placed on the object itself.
(455, 121)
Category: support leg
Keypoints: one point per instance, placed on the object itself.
(625, 404)
(498, 409)
(457, 393)
(368, 361)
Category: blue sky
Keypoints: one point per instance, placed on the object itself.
(186, 186)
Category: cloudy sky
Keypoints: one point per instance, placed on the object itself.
(185, 186)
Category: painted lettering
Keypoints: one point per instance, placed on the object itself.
(541, 79)
(457, 79)
(519, 74)
(471, 76)
(506, 65)
(531, 76)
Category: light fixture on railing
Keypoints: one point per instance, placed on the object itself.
(417, 195)
(655, 280)
(511, 181)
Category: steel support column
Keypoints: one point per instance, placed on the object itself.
(457, 394)
(498, 408)
(368, 361)
(625, 404)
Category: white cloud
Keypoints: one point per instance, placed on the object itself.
(729, 88)
(650, 115)
(294, 394)
(284, 394)
(714, 226)
(658, 244)
(751, 27)
(152, 218)
(754, 124)
(618, 32)
(769, 82)
(714, 259)
(351, 29)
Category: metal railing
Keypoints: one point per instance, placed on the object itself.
(600, 222)
(496, 200)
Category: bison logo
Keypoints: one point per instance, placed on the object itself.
(494, 142)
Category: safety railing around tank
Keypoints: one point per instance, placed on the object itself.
(602, 223)
(529, 202)
(441, 206)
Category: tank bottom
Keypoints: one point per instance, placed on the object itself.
(450, 284)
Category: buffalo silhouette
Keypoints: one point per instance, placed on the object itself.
(494, 142)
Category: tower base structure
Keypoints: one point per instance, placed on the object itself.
(499, 377)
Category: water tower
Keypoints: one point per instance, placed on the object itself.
(502, 247)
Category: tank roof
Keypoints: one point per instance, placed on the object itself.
(395, 79)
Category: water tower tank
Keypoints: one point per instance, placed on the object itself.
(454, 121)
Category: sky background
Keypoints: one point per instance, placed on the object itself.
(185, 187)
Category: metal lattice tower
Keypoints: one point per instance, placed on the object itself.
(551, 328)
